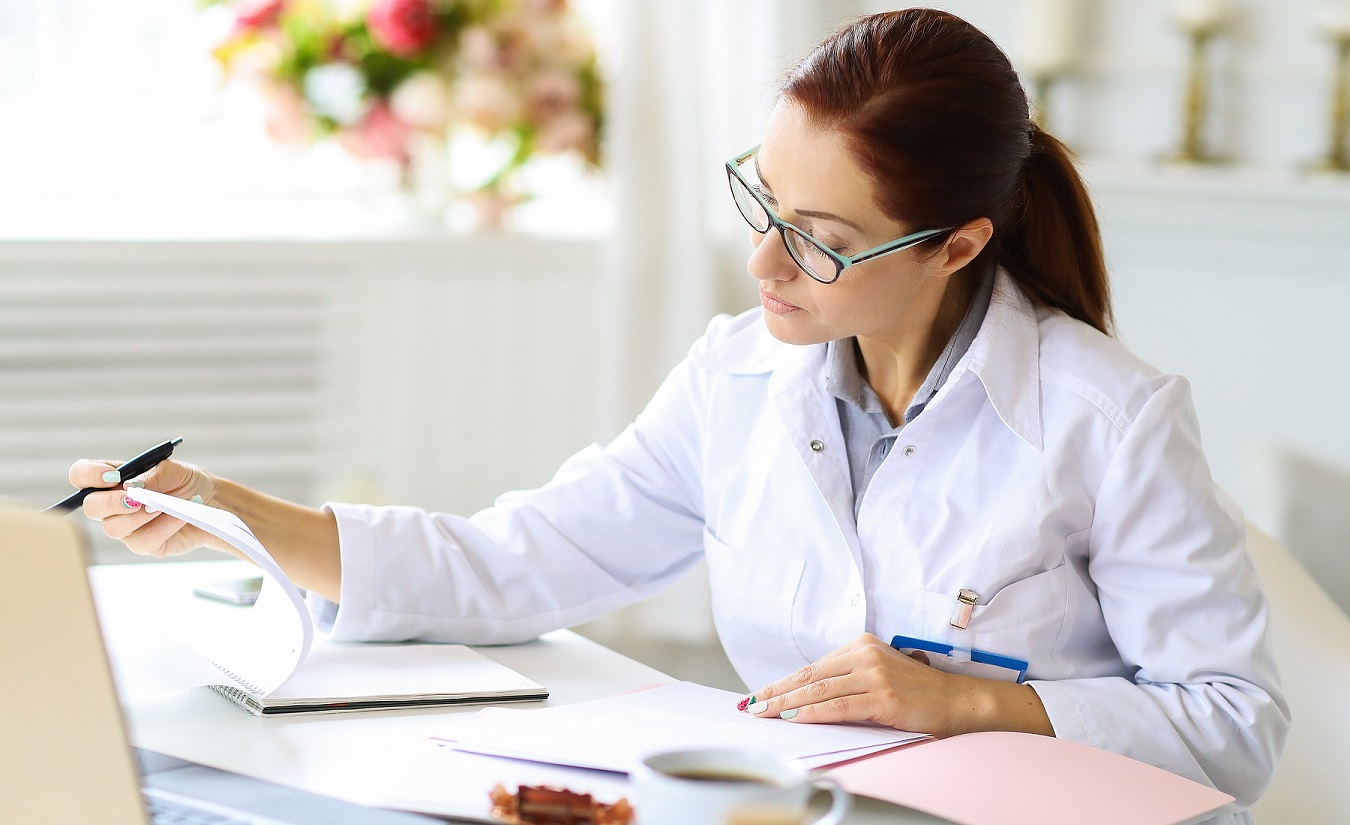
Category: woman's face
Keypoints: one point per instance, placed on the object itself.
(812, 181)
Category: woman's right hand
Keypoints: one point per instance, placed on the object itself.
(148, 534)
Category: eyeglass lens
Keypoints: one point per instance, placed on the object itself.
(807, 253)
(751, 209)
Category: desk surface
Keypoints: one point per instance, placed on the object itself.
(354, 756)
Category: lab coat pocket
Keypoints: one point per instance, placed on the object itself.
(752, 596)
(1022, 620)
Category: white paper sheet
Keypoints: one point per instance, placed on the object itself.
(615, 733)
(262, 645)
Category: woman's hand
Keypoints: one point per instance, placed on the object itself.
(148, 534)
(867, 680)
(303, 540)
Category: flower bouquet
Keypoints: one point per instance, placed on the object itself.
(394, 79)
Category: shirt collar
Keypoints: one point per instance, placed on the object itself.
(843, 377)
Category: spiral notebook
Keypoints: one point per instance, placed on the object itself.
(338, 677)
(266, 657)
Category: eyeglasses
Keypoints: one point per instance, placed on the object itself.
(813, 256)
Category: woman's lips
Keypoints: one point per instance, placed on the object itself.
(776, 305)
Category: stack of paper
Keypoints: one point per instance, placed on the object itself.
(613, 734)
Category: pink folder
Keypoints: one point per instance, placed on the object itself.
(1023, 779)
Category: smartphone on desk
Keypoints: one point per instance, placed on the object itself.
(232, 591)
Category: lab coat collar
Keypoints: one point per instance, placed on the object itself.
(1006, 356)
(747, 348)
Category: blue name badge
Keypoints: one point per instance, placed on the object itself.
(981, 663)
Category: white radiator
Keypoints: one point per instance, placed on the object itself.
(98, 361)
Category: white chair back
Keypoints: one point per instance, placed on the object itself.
(1312, 647)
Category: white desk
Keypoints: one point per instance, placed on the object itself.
(352, 755)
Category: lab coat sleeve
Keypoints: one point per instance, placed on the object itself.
(613, 526)
(1184, 607)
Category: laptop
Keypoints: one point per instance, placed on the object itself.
(65, 756)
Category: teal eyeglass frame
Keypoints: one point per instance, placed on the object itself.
(841, 262)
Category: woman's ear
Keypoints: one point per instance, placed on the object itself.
(962, 246)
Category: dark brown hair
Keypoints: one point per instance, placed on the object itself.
(935, 114)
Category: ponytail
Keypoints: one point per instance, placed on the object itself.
(1053, 247)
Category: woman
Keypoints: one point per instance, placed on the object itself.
(926, 431)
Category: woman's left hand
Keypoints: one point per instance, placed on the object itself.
(867, 680)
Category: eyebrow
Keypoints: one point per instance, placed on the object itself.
(809, 213)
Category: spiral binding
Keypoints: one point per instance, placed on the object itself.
(240, 698)
(236, 677)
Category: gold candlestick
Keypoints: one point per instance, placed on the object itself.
(1196, 105)
(1338, 154)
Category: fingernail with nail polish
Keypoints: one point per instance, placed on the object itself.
(196, 499)
(129, 504)
(758, 708)
(788, 714)
(112, 476)
(136, 483)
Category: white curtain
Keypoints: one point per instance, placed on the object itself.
(696, 82)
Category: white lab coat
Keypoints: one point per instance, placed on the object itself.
(1054, 474)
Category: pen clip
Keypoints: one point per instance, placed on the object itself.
(965, 605)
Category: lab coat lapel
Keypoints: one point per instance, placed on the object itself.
(810, 417)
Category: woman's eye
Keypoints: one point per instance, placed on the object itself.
(836, 247)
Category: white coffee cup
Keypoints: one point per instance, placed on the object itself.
(713, 786)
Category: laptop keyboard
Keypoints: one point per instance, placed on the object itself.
(173, 812)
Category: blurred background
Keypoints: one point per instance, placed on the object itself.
(421, 252)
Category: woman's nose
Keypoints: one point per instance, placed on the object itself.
(769, 260)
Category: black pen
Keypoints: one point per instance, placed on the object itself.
(129, 469)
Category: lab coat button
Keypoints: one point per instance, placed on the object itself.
(817, 445)
(908, 451)
(856, 598)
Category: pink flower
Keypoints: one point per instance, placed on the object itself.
(566, 132)
(504, 45)
(480, 47)
(403, 27)
(550, 94)
(379, 135)
(546, 6)
(285, 116)
(487, 103)
(258, 14)
(422, 100)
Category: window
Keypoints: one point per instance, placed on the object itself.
(116, 112)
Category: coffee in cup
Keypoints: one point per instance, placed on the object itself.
(717, 786)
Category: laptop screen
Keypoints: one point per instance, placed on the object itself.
(65, 756)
